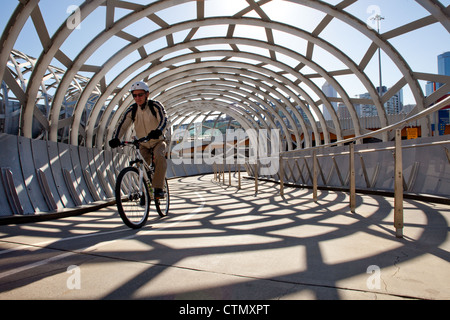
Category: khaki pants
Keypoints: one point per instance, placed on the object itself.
(159, 152)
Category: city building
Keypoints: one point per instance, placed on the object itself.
(393, 106)
(440, 119)
(443, 65)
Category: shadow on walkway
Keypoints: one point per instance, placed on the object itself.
(221, 243)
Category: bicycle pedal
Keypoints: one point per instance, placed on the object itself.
(160, 196)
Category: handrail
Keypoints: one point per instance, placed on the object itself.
(429, 144)
(391, 127)
(397, 150)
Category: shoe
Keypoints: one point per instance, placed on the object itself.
(159, 194)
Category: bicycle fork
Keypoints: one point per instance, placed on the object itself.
(145, 179)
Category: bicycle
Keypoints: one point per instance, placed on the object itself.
(134, 190)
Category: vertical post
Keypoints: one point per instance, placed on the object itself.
(239, 176)
(281, 176)
(256, 176)
(224, 170)
(398, 185)
(352, 178)
(315, 174)
(229, 175)
(223, 173)
(448, 154)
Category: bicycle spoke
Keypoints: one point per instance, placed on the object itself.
(133, 200)
(133, 196)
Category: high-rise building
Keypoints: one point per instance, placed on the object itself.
(430, 88)
(367, 110)
(443, 115)
(444, 63)
(393, 106)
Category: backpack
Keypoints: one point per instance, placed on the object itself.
(150, 103)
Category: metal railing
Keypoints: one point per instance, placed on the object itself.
(350, 181)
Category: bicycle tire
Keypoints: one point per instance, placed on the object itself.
(133, 204)
(162, 205)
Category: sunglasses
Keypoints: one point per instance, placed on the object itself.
(139, 95)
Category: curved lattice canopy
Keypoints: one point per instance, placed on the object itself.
(262, 64)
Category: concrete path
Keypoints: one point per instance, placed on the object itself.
(223, 244)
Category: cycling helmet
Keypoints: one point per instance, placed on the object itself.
(140, 86)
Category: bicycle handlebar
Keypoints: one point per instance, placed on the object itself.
(135, 142)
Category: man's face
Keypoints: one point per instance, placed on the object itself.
(140, 96)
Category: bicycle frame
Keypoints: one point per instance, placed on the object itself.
(140, 162)
(133, 203)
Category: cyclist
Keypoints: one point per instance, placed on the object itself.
(150, 122)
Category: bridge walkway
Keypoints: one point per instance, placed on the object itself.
(221, 243)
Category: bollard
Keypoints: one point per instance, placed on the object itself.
(315, 173)
(239, 177)
(256, 176)
(398, 185)
(281, 177)
(352, 178)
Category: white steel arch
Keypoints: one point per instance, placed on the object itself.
(193, 62)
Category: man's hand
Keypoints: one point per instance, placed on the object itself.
(155, 134)
(114, 143)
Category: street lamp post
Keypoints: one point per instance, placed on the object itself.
(378, 18)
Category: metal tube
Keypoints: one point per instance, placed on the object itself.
(256, 176)
(399, 124)
(352, 179)
(315, 173)
(239, 176)
(398, 185)
(281, 177)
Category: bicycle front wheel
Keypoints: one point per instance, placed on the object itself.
(162, 205)
(133, 198)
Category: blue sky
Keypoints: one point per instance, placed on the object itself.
(420, 55)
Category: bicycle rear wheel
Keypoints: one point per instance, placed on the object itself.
(133, 198)
(162, 205)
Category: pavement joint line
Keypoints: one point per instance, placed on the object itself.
(67, 253)
(88, 251)
(41, 245)
(306, 284)
(35, 264)
(85, 252)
